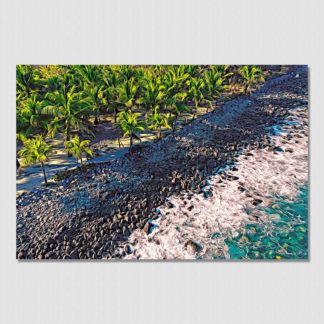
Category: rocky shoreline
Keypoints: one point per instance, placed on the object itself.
(196, 177)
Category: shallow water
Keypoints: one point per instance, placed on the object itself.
(281, 231)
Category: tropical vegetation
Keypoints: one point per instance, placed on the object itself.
(77, 148)
(35, 150)
(71, 100)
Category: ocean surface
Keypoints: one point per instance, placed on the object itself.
(280, 233)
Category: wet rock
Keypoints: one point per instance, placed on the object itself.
(147, 227)
(278, 149)
(193, 245)
(105, 195)
(126, 231)
(169, 204)
(49, 255)
(20, 255)
(257, 201)
(129, 249)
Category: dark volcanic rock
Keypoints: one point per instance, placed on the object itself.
(257, 202)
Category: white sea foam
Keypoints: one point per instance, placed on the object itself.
(187, 230)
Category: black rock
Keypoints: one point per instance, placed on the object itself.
(169, 204)
(129, 249)
(74, 254)
(190, 208)
(257, 202)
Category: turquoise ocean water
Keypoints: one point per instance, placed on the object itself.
(283, 236)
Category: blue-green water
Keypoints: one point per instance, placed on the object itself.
(283, 236)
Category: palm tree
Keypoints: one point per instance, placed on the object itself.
(36, 150)
(32, 109)
(180, 72)
(77, 147)
(223, 70)
(158, 121)
(126, 72)
(53, 83)
(213, 85)
(96, 94)
(251, 77)
(192, 70)
(196, 86)
(25, 80)
(89, 73)
(110, 94)
(170, 83)
(127, 93)
(175, 80)
(70, 111)
(130, 125)
(153, 92)
(179, 106)
(90, 82)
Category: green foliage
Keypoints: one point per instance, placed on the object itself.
(157, 121)
(179, 107)
(196, 92)
(153, 92)
(64, 98)
(35, 150)
(68, 99)
(130, 125)
(127, 92)
(69, 110)
(31, 110)
(25, 81)
(252, 76)
(77, 148)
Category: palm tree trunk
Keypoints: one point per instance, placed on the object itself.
(17, 164)
(211, 107)
(81, 163)
(98, 114)
(43, 168)
(67, 138)
(67, 134)
(195, 112)
(160, 132)
(115, 115)
(246, 90)
(130, 141)
(174, 124)
(250, 88)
